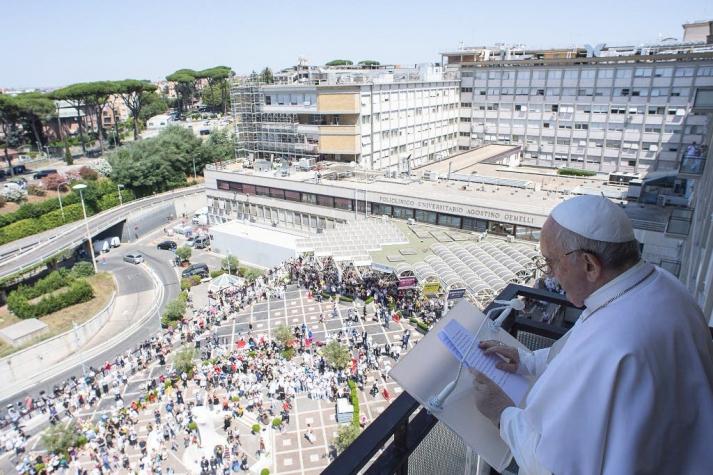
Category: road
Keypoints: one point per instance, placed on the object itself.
(23, 253)
(130, 279)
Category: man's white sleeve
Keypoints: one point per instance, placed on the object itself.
(533, 363)
(522, 440)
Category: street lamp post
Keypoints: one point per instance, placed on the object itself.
(79, 188)
(118, 188)
(195, 178)
(59, 196)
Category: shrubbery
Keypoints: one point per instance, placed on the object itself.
(33, 218)
(575, 172)
(78, 291)
(174, 311)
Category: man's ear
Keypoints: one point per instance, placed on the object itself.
(593, 266)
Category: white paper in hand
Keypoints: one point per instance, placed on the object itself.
(458, 340)
(425, 370)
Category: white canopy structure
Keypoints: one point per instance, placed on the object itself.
(224, 281)
(483, 269)
(352, 241)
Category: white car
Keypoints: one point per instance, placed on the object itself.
(134, 258)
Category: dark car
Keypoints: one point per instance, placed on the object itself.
(43, 173)
(195, 269)
(167, 245)
(19, 169)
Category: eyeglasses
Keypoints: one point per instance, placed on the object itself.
(545, 264)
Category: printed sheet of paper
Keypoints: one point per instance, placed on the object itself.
(459, 342)
(432, 364)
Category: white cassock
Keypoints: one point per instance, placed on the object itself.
(629, 390)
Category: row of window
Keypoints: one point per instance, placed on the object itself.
(589, 73)
(582, 91)
(430, 217)
(585, 108)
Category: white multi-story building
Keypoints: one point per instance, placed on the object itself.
(379, 118)
(602, 109)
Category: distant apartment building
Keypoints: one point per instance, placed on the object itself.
(599, 108)
(380, 118)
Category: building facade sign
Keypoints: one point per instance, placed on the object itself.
(490, 214)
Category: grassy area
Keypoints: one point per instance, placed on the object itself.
(61, 321)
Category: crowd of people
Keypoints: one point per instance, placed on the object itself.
(255, 376)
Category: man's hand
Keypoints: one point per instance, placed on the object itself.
(490, 400)
(494, 347)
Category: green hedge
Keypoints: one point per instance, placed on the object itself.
(354, 396)
(79, 291)
(575, 172)
(368, 300)
(33, 218)
(216, 273)
(344, 298)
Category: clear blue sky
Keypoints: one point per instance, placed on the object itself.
(52, 43)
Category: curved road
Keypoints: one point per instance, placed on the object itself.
(130, 279)
(25, 252)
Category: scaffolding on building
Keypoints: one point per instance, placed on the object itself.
(265, 135)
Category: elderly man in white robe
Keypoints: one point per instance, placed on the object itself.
(629, 389)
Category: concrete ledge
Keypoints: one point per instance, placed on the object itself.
(23, 332)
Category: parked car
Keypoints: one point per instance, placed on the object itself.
(102, 246)
(167, 245)
(195, 269)
(19, 169)
(43, 173)
(190, 242)
(115, 241)
(201, 242)
(134, 258)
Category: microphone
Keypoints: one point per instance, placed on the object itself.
(436, 402)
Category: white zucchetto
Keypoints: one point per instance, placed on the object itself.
(594, 217)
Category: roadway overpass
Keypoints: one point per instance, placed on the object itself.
(24, 253)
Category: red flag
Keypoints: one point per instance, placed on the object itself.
(241, 343)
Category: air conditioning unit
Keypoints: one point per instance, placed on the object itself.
(510, 239)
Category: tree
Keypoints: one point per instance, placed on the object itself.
(283, 335)
(77, 96)
(184, 361)
(266, 76)
(184, 253)
(35, 108)
(368, 62)
(160, 163)
(218, 147)
(134, 93)
(218, 84)
(230, 264)
(174, 310)
(97, 96)
(337, 355)
(155, 105)
(340, 62)
(346, 434)
(185, 84)
(59, 438)
(9, 119)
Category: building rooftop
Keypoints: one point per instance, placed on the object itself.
(475, 181)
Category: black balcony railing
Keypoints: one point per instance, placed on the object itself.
(404, 424)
